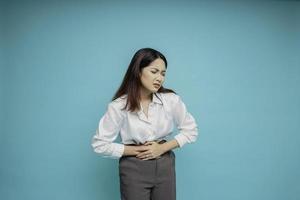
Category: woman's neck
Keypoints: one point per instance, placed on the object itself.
(145, 96)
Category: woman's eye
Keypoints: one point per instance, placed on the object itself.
(154, 72)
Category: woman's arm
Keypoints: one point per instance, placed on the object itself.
(185, 122)
(131, 150)
(167, 146)
(107, 132)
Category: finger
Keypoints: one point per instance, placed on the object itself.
(142, 148)
(143, 154)
(139, 155)
(146, 157)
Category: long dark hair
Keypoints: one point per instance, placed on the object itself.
(131, 83)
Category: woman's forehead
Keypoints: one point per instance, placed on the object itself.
(158, 64)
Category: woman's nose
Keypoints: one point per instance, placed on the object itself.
(159, 79)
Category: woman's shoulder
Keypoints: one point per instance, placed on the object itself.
(119, 102)
(121, 98)
(170, 97)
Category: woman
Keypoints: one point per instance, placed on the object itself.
(144, 113)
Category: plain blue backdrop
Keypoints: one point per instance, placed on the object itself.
(235, 64)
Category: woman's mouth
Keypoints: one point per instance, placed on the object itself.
(156, 85)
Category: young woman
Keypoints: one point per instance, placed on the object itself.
(144, 113)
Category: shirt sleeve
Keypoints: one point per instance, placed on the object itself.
(107, 132)
(185, 122)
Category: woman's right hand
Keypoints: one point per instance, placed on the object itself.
(133, 150)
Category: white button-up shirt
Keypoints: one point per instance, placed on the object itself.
(165, 110)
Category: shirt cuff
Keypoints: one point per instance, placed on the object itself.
(181, 139)
(118, 150)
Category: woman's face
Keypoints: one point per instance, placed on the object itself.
(153, 76)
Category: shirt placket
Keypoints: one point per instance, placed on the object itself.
(149, 121)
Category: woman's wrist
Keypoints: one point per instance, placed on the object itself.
(167, 146)
(130, 150)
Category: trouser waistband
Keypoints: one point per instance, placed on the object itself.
(159, 142)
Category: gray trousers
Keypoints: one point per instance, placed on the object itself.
(153, 179)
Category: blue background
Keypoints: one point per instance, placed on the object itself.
(235, 64)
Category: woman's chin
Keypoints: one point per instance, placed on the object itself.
(155, 90)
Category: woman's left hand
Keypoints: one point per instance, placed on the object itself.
(152, 150)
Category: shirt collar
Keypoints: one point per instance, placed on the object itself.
(156, 99)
